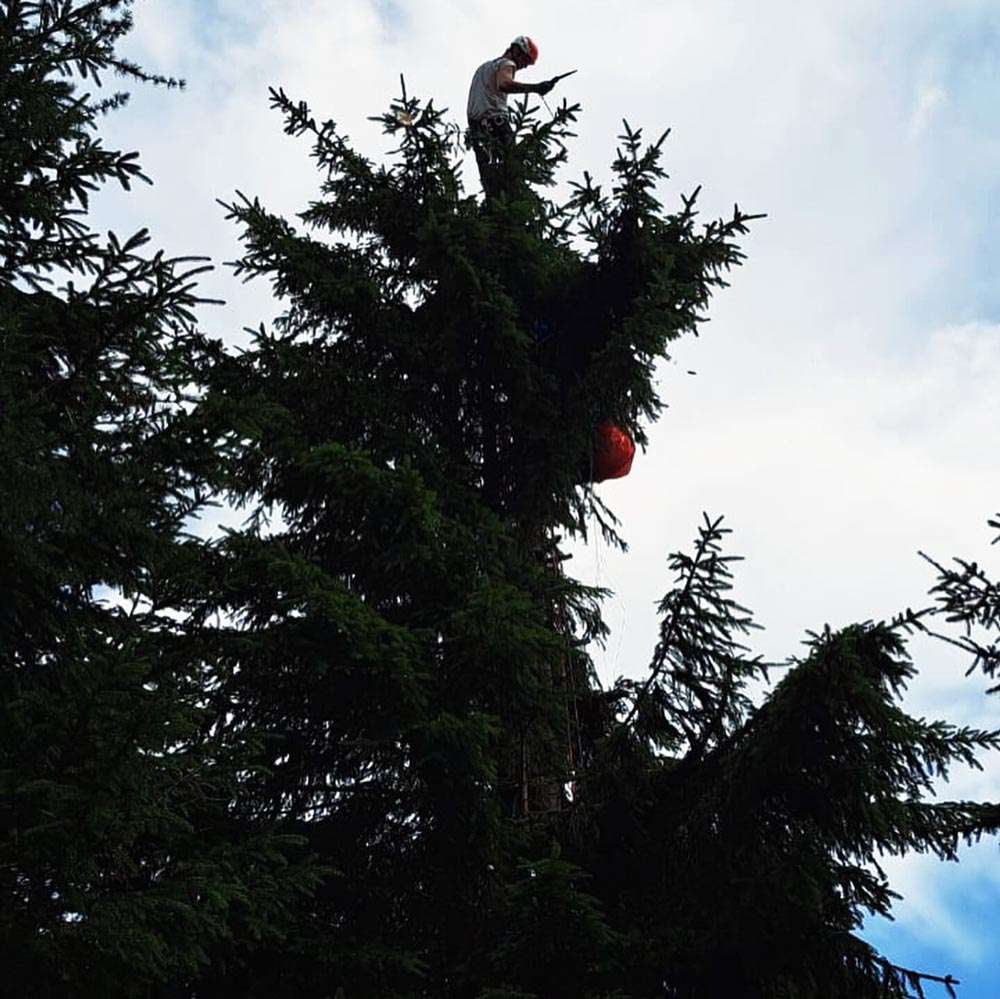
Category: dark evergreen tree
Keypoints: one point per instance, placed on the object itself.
(411, 440)
(119, 859)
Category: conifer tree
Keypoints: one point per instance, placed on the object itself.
(118, 861)
(411, 442)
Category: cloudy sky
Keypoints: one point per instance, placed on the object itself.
(845, 405)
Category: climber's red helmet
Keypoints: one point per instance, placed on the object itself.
(524, 50)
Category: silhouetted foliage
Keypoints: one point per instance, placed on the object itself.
(409, 439)
(120, 860)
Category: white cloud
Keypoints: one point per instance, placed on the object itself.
(938, 900)
(930, 98)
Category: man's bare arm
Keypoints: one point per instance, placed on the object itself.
(506, 83)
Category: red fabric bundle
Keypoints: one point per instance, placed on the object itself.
(613, 452)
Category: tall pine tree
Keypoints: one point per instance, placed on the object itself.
(120, 861)
(412, 441)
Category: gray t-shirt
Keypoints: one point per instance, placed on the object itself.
(484, 97)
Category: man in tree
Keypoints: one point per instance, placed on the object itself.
(490, 133)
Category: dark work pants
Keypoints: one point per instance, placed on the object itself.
(491, 139)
